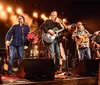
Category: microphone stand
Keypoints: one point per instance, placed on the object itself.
(67, 57)
(67, 51)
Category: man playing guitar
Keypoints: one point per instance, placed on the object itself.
(81, 37)
(53, 47)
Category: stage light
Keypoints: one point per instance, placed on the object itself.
(43, 17)
(9, 9)
(19, 11)
(1, 7)
(64, 20)
(35, 14)
(3, 15)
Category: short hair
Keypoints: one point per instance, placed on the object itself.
(22, 17)
(53, 13)
(79, 23)
(73, 25)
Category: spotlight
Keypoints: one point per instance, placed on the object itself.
(1, 7)
(9, 9)
(42, 15)
(3, 15)
(35, 14)
(19, 11)
(64, 20)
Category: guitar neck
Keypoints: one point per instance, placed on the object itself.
(60, 30)
(63, 25)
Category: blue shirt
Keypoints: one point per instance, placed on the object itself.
(15, 34)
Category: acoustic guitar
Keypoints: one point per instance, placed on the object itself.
(48, 38)
(81, 39)
(14, 64)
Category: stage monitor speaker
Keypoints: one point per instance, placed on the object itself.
(37, 69)
(0, 70)
(86, 68)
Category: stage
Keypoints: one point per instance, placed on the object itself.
(13, 80)
(86, 69)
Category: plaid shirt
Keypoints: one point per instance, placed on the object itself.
(81, 33)
(15, 35)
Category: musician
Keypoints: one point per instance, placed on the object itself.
(81, 37)
(70, 46)
(16, 41)
(53, 47)
(96, 43)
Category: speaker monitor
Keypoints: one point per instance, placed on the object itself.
(37, 69)
(86, 68)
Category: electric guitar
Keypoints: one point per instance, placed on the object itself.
(48, 38)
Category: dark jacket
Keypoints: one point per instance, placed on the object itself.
(49, 24)
(15, 35)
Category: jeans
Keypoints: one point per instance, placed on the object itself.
(54, 51)
(12, 55)
(85, 53)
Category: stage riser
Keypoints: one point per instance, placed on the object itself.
(68, 81)
(86, 68)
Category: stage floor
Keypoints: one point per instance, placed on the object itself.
(13, 80)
